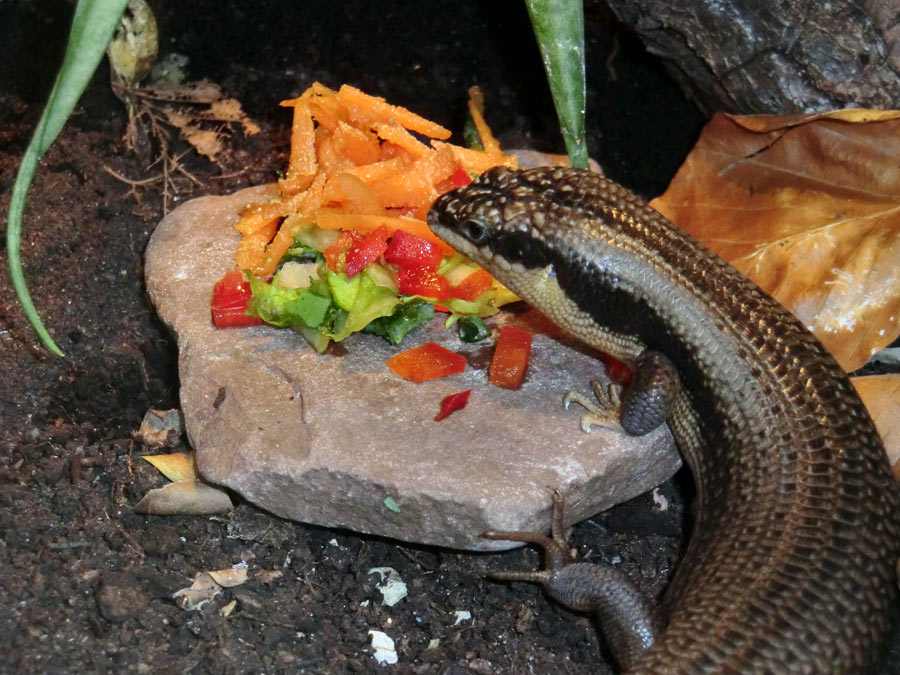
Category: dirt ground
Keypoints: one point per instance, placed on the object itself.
(86, 584)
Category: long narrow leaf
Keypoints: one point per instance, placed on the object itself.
(92, 28)
(559, 28)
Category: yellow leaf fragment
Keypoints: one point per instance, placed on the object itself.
(809, 208)
(175, 466)
(881, 394)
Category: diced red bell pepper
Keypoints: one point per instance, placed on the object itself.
(407, 250)
(460, 178)
(472, 286)
(426, 362)
(452, 403)
(422, 281)
(366, 251)
(336, 253)
(618, 372)
(510, 358)
(229, 301)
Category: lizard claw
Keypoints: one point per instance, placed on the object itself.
(557, 553)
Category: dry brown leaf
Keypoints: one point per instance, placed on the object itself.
(809, 208)
(881, 394)
(229, 110)
(185, 498)
(199, 92)
(205, 141)
(207, 585)
(160, 428)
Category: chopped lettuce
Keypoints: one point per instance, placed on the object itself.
(486, 304)
(324, 305)
(371, 301)
(287, 307)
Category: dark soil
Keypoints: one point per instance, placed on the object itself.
(86, 584)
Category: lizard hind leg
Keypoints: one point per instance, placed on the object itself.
(621, 610)
(557, 553)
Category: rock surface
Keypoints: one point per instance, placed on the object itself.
(326, 439)
(750, 57)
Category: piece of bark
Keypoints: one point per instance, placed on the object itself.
(753, 56)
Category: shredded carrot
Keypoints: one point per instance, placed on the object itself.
(252, 248)
(476, 161)
(476, 109)
(274, 251)
(254, 221)
(369, 173)
(360, 147)
(353, 194)
(400, 136)
(355, 165)
(383, 110)
(302, 165)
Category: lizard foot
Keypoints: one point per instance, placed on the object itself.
(602, 590)
(604, 412)
(557, 553)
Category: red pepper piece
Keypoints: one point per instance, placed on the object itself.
(407, 250)
(426, 362)
(452, 403)
(229, 302)
(422, 281)
(618, 372)
(472, 286)
(510, 358)
(460, 178)
(336, 253)
(365, 251)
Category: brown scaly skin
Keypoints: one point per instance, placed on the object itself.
(791, 566)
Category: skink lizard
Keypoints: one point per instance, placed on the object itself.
(791, 564)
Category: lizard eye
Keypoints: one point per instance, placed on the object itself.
(474, 231)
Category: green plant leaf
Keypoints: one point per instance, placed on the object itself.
(92, 28)
(559, 28)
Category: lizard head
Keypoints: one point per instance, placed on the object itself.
(495, 221)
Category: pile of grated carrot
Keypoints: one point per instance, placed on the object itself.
(356, 164)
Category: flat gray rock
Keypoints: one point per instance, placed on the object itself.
(327, 439)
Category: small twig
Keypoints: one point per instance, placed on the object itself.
(77, 463)
(68, 545)
(129, 181)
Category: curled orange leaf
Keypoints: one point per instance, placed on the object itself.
(808, 206)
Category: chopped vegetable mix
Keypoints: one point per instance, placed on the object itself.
(452, 403)
(472, 329)
(510, 358)
(229, 302)
(345, 246)
(426, 362)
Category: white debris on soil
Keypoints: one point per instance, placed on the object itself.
(462, 615)
(383, 646)
(659, 500)
(391, 586)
